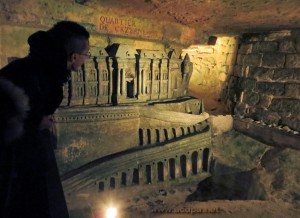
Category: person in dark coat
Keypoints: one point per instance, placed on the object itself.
(31, 89)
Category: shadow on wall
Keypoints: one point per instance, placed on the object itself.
(235, 186)
(275, 177)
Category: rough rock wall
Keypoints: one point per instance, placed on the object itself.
(213, 65)
(265, 85)
(107, 24)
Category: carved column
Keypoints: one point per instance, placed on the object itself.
(145, 137)
(154, 172)
(144, 172)
(153, 136)
(129, 177)
(118, 181)
(110, 81)
(107, 184)
(140, 81)
(189, 165)
(191, 129)
(162, 137)
(178, 132)
(186, 131)
(160, 78)
(169, 82)
(197, 127)
(169, 79)
(142, 175)
(199, 164)
(170, 133)
(152, 79)
(178, 172)
(124, 91)
(135, 85)
(118, 81)
(143, 82)
(166, 170)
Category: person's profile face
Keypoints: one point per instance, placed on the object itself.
(78, 58)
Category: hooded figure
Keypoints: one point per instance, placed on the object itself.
(31, 89)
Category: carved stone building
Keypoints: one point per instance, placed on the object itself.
(133, 124)
(123, 74)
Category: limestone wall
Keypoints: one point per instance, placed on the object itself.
(265, 85)
(213, 64)
(107, 24)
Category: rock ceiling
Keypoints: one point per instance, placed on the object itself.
(184, 22)
(223, 16)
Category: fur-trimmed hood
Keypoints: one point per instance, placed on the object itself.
(13, 110)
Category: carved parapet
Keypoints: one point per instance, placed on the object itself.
(156, 164)
(94, 114)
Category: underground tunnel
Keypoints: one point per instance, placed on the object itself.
(185, 108)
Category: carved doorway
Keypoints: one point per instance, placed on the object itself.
(130, 89)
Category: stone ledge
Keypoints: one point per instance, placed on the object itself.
(267, 135)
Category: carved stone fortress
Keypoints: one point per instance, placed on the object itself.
(127, 120)
(122, 74)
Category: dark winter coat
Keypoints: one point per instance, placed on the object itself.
(24, 166)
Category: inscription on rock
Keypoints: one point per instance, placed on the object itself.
(126, 27)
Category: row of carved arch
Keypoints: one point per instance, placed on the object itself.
(154, 136)
(181, 166)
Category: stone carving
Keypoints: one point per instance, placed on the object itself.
(173, 161)
(123, 74)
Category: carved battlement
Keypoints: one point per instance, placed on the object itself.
(150, 136)
(177, 160)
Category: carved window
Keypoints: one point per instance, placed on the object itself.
(174, 83)
(205, 159)
(164, 88)
(165, 75)
(104, 75)
(183, 165)
(194, 162)
(166, 134)
(147, 90)
(141, 137)
(79, 92)
(148, 174)
(156, 74)
(93, 90)
(101, 186)
(135, 176)
(112, 183)
(123, 179)
(78, 76)
(149, 75)
(157, 135)
(160, 171)
(130, 89)
(172, 168)
(105, 90)
(93, 74)
(149, 136)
